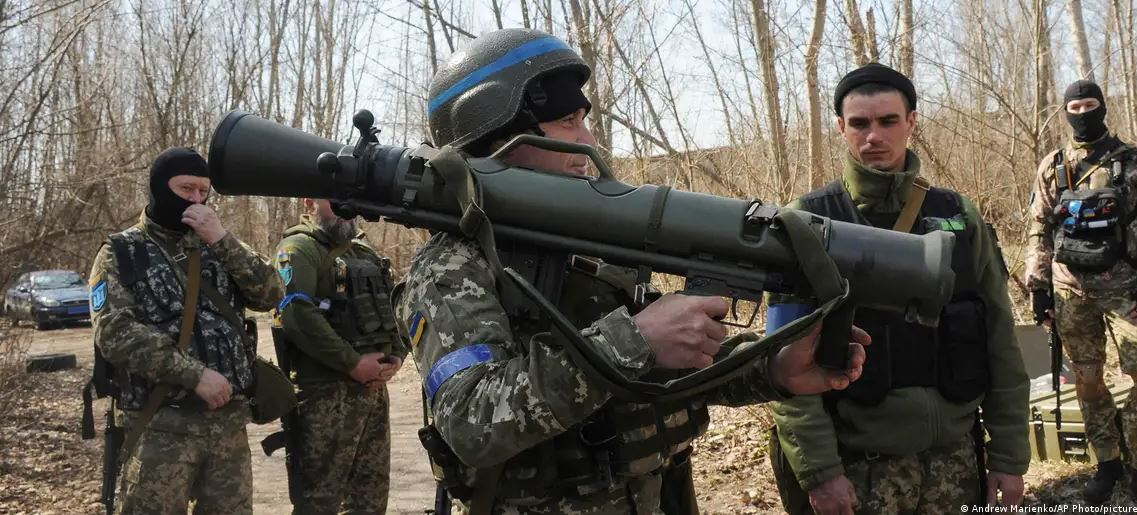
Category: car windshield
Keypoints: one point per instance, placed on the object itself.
(56, 281)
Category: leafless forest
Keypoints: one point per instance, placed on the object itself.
(725, 96)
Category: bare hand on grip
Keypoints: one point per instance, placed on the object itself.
(794, 370)
(682, 330)
(833, 497)
(213, 388)
(368, 368)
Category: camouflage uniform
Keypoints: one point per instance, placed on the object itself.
(1086, 302)
(187, 452)
(912, 451)
(343, 425)
(522, 396)
(935, 480)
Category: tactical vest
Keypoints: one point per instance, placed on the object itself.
(145, 270)
(951, 358)
(620, 441)
(1091, 224)
(361, 311)
(354, 292)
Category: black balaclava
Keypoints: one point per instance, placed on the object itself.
(549, 98)
(1088, 126)
(166, 207)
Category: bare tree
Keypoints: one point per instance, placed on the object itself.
(856, 33)
(773, 103)
(588, 53)
(816, 158)
(1078, 29)
(870, 37)
(430, 36)
(907, 35)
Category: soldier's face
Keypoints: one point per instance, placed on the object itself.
(572, 127)
(328, 221)
(190, 187)
(876, 129)
(1082, 105)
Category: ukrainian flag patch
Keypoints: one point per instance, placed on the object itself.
(416, 327)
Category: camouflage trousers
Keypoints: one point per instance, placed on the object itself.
(187, 455)
(1082, 321)
(937, 480)
(345, 457)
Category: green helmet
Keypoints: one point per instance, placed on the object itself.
(484, 90)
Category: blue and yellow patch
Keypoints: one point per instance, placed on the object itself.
(416, 327)
(284, 266)
(99, 295)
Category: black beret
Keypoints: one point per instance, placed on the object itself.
(874, 73)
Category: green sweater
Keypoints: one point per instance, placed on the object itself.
(914, 419)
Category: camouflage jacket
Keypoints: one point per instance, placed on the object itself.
(319, 351)
(1121, 280)
(914, 419)
(136, 328)
(523, 393)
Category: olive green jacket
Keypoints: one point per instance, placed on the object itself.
(914, 419)
(317, 352)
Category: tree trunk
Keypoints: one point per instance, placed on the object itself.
(907, 30)
(495, 6)
(430, 45)
(773, 104)
(525, 14)
(856, 32)
(817, 172)
(1041, 51)
(588, 53)
(870, 37)
(1082, 48)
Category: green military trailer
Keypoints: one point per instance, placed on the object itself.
(1049, 439)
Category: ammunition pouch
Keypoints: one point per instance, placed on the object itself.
(1090, 229)
(361, 310)
(952, 358)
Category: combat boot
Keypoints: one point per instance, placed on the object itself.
(1099, 489)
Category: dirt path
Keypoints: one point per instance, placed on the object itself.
(412, 487)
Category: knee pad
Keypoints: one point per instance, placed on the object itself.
(1089, 373)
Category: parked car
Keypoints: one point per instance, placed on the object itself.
(47, 297)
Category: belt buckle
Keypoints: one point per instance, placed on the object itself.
(181, 256)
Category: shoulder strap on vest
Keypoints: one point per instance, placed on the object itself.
(911, 211)
(131, 256)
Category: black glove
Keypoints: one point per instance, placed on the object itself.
(1041, 300)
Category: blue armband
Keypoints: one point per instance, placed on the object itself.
(294, 296)
(780, 315)
(455, 362)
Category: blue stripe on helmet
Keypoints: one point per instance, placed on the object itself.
(517, 55)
